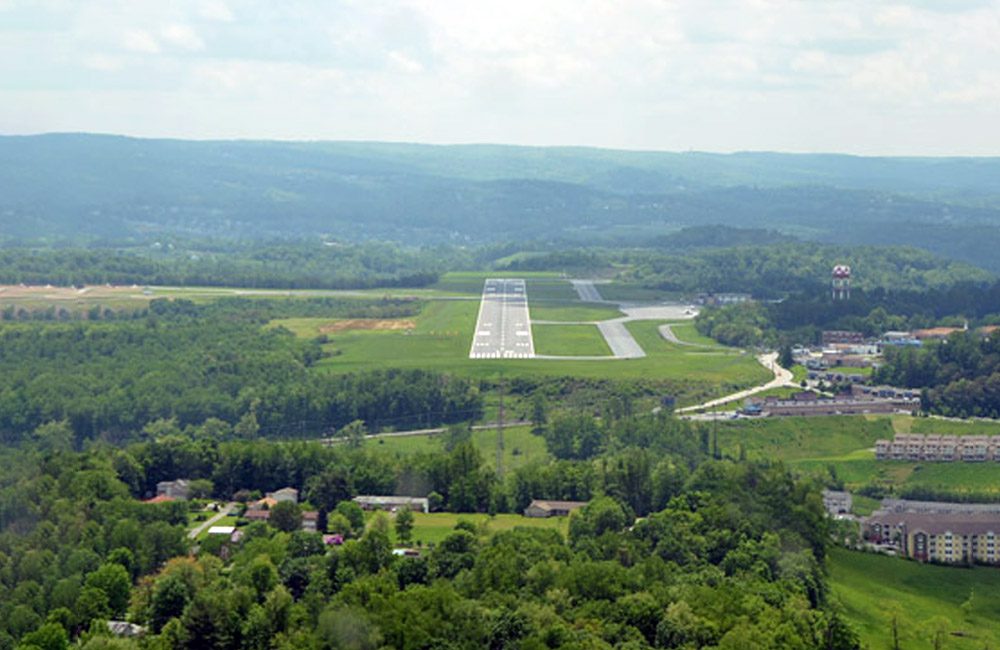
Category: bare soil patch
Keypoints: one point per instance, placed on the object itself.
(366, 324)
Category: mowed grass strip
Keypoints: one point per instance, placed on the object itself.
(619, 291)
(569, 340)
(924, 598)
(570, 311)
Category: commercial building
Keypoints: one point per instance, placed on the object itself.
(831, 337)
(836, 406)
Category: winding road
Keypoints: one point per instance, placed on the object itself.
(782, 377)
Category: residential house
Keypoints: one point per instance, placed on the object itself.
(284, 494)
(126, 629)
(837, 502)
(545, 508)
(177, 489)
(310, 520)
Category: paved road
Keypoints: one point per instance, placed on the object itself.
(427, 432)
(782, 377)
(668, 335)
(503, 328)
(587, 291)
(193, 534)
(620, 340)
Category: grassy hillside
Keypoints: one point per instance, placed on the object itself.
(962, 604)
(846, 444)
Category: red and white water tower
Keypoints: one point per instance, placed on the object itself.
(841, 282)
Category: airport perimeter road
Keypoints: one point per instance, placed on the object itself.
(503, 329)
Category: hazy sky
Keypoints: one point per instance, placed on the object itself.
(862, 76)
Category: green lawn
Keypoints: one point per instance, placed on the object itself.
(687, 332)
(874, 588)
(952, 427)
(520, 445)
(569, 340)
(571, 311)
(435, 526)
(619, 291)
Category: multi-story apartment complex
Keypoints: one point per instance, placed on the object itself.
(938, 448)
(937, 532)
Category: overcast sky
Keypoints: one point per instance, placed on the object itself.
(862, 76)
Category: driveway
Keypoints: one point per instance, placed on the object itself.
(229, 507)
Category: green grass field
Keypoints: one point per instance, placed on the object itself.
(571, 311)
(433, 527)
(630, 292)
(569, 340)
(520, 445)
(443, 335)
(924, 598)
(686, 331)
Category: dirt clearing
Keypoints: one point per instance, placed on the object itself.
(351, 324)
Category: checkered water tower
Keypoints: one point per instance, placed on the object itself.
(841, 282)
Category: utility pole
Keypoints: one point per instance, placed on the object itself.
(500, 432)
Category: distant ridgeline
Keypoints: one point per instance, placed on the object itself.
(73, 188)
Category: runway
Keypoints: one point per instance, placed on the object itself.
(503, 328)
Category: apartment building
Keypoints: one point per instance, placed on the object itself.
(938, 448)
(947, 537)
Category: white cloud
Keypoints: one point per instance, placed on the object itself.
(103, 62)
(726, 74)
(138, 40)
(182, 36)
(216, 10)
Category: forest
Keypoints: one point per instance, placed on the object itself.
(186, 363)
(74, 189)
(312, 265)
(729, 554)
(960, 376)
